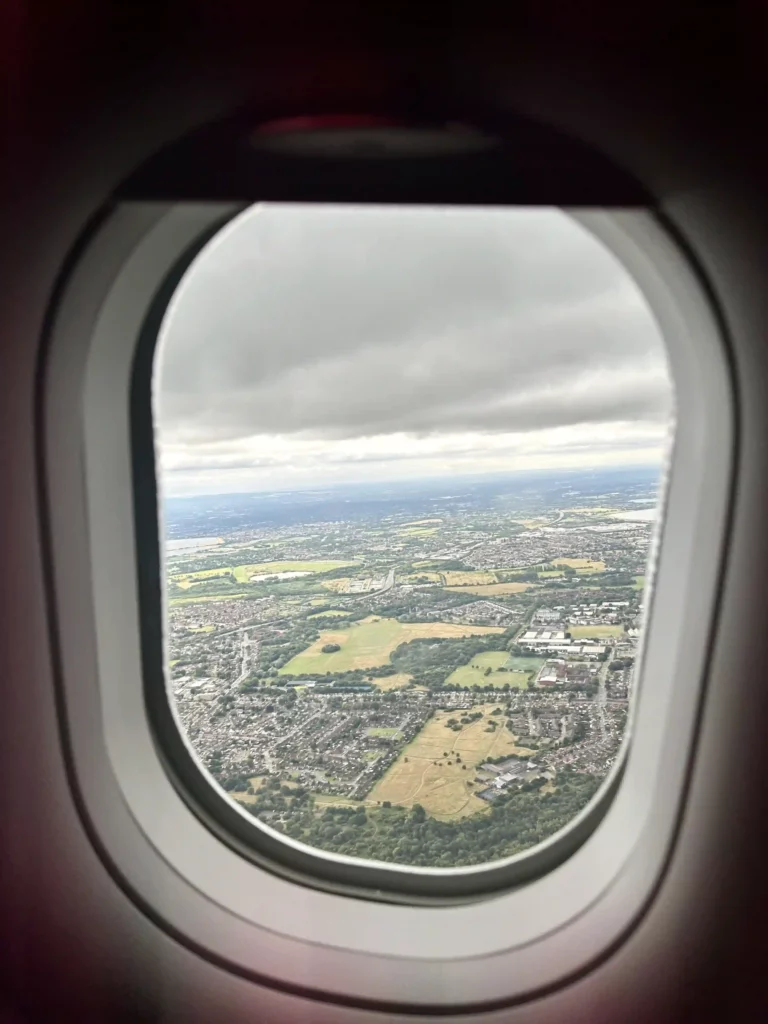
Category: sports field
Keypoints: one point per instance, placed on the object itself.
(423, 775)
(474, 673)
(505, 668)
(495, 589)
(595, 632)
(369, 643)
(525, 663)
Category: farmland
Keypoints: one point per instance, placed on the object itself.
(494, 589)
(467, 579)
(420, 576)
(581, 564)
(369, 643)
(428, 772)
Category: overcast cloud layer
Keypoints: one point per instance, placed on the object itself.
(323, 344)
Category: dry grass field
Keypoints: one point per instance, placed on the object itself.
(467, 579)
(422, 774)
(581, 564)
(395, 682)
(494, 589)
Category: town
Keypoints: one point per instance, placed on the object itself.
(445, 659)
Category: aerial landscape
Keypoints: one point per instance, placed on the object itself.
(440, 676)
(410, 463)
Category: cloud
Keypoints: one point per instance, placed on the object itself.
(301, 325)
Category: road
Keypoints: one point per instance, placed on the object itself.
(246, 648)
(602, 693)
(388, 583)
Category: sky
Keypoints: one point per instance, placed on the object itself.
(311, 345)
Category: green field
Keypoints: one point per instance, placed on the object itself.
(595, 632)
(201, 600)
(244, 572)
(523, 663)
(332, 613)
(639, 583)
(383, 733)
(474, 673)
(323, 800)
(369, 643)
(190, 579)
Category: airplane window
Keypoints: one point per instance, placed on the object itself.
(411, 466)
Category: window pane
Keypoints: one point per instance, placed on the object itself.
(410, 463)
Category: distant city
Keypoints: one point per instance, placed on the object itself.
(431, 673)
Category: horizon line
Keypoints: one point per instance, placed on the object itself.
(572, 470)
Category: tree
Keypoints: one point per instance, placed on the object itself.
(418, 813)
(330, 648)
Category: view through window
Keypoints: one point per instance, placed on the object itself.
(409, 463)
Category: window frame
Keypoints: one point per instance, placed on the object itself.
(577, 902)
